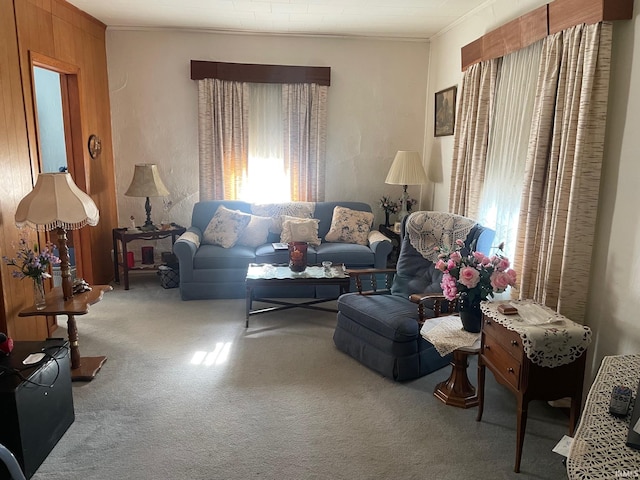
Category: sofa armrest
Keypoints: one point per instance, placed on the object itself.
(185, 249)
(381, 247)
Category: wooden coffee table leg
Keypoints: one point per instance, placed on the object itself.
(457, 390)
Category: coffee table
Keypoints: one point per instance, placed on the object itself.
(266, 275)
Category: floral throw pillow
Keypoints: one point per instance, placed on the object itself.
(256, 232)
(278, 210)
(349, 226)
(296, 229)
(225, 227)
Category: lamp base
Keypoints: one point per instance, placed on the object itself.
(148, 228)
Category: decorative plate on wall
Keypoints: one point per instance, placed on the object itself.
(95, 146)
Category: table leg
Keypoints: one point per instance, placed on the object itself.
(248, 302)
(125, 265)
(481, 374)
(82, 368)
(116, 268)
(457, 390)
(520, 429)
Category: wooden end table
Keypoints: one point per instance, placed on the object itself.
(457, 390)
(124, 236)
(82, 368)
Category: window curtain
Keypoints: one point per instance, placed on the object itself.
(223, 118)
(305, 123)
(475, 111)
(562, 176)
(509, 139)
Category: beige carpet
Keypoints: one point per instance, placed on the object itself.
(285, 404)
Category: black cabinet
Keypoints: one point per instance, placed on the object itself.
(36, 402)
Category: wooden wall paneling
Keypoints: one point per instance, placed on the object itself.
(14, 182)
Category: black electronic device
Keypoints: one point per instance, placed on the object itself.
(633, 438)
(35, 400)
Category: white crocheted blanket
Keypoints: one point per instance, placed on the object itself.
(429, 231)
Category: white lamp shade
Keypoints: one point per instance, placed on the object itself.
(406, 169)
(56, 202)
(146, 182)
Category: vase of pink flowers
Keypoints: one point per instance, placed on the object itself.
(33, 263)
(473, 278)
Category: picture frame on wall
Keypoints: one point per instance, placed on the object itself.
(445, 112)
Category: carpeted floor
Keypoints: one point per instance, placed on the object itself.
(278, 402)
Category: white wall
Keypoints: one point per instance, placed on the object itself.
(376, 107)
(614, 306)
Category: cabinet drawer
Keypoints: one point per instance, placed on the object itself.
(510, 340)
(505, 364)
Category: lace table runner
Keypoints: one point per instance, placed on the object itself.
(598, 449)
(448, 335)
(549, 339)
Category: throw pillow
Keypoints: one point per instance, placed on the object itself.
(277, 210)
(256, 232)
(299, 230)
(349, 226)
(225, 227)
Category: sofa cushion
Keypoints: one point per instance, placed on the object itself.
(225, 227)
(349, 226)
(216, 257)
(296, 229)
(267, 254)
(256, 232)
(277, 210)
(352, 254)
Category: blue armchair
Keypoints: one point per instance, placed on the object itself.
(380, 327)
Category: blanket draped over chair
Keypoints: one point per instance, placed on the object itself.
(431, 231)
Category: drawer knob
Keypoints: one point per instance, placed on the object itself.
(487, 347)
(514, 343)
(510, 370)
(487, 321)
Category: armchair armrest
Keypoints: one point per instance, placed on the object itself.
(185, 249)
(381, 247)
(438, 300)
(371, 275)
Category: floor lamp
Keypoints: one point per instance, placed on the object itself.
(147, 183)
(56, 203)
(406, 169)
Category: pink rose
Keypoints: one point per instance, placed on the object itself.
(460, 243)
(456, 257)
(441, 265)
(449, 288)
(500, 281)
(512, 277)
(503, 264)
(469, 277)
(451, 264)
(479, 256)
(485, 261)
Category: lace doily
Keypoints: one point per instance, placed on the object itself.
(428, 230)
(598, 449)
(448, 335)
(548, 341)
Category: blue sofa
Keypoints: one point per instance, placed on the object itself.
(211, 271)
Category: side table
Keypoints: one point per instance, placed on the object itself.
(535, 360)
(396, 241)
(124, 236)
(448, 337)
(600, 434)
(85, 368)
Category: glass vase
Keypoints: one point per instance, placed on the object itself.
(298, 256)
(38, 293)
(470, 313)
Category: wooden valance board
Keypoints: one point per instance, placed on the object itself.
(256, 73)
(537, 24)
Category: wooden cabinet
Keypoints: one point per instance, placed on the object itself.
(502, 352)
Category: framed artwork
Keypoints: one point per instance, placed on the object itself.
(445, 112)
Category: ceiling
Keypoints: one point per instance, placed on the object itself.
(411, 19)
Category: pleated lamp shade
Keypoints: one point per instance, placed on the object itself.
(406, 169)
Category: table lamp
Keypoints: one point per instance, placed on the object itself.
(147, 183)
(406, 169)
(56, 203)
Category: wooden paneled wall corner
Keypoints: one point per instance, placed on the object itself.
(58, 30)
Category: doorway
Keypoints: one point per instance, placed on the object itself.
(59, 136)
